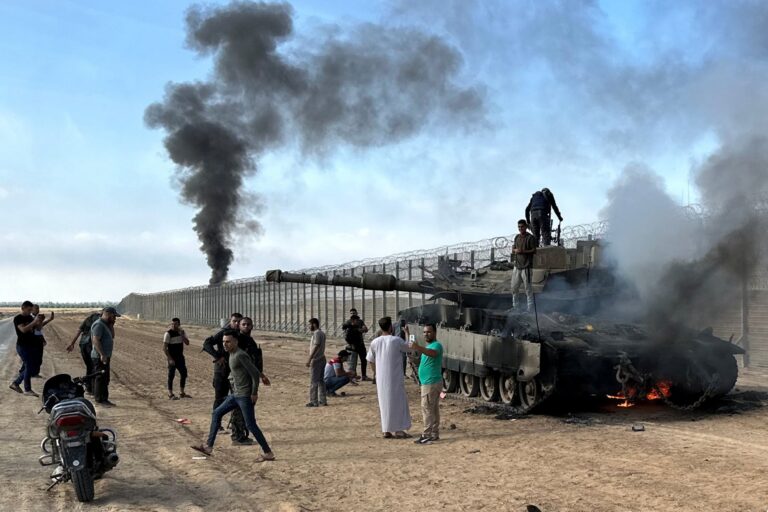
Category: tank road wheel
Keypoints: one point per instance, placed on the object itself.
(530, 393)
(470, 385)
(489, 387)
(450, 380)
(507, 389)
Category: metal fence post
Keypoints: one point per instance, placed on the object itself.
(423, 297)
(333, 332)
(410, 277)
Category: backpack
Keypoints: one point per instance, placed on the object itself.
(539, 201)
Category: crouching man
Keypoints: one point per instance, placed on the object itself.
(335, 377)
(244, 379)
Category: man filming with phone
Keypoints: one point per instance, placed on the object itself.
(431, 377)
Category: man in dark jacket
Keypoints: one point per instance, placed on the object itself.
(214, 346)
(538, 215)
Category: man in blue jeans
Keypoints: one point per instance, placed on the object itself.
(25, 325)
(335, 377)
(244, 378)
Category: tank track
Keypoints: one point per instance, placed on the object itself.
(513, 410)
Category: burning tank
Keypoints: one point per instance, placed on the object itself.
(564, 348)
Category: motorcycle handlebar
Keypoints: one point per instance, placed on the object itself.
(79, 380)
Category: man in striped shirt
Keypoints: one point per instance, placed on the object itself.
(173, 345)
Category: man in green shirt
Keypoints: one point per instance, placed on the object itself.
(244, 380)
(431, 377)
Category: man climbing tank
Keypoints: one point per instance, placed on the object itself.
(538, 213)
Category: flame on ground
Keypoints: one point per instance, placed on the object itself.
(661, 389)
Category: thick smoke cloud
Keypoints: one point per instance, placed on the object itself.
(700, 263)
(363, 86)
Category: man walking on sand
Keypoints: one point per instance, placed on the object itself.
(244, 380)
(214, 346)
(316, 365)
(431, 378)
(386, 358)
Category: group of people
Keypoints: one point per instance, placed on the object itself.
(385, 356)
(238, 369)
(96, 335)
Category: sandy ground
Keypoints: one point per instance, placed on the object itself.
(332, 458)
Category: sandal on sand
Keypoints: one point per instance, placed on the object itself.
(184, 395)
(171, 396)
(265, 458)
(202, 449)
(387, 435)
(402, 435)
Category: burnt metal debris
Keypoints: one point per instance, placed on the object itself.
(519, 360)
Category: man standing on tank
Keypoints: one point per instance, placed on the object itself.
(523, 249)
(538, 214)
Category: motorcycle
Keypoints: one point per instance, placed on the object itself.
(82, 451)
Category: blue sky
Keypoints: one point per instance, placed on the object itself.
(574, 92)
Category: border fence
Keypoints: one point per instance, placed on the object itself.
(287, 307)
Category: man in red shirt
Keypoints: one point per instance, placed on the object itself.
(335, 377)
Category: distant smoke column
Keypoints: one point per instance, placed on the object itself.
(367, 86)
(212, 161)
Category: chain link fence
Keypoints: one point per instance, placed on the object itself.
(287, 307)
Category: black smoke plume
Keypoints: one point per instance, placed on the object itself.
(365, 86)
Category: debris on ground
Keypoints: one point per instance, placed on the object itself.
(736, 403)
(638, 427)
(584, 421)
(452, 426)
(473, 451)
(498, 412)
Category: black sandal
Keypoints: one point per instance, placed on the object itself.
(171, 396)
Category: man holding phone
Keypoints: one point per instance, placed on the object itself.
(430, 375)
(25, 325)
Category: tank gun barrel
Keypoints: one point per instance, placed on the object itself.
(367, 281)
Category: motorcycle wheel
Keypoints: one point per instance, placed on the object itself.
(82, 481)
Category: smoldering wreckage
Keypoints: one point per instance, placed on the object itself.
(579, 342)
(566, 349)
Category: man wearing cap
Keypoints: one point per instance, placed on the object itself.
(102, 338)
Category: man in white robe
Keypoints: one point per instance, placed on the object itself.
(386, 357)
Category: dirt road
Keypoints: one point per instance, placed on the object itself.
(333, 458)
